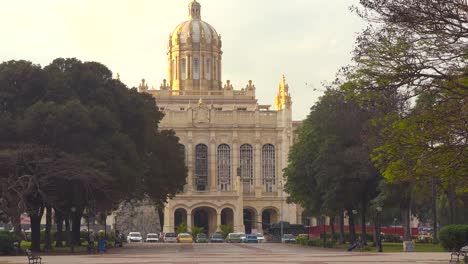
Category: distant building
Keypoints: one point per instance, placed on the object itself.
(224, 134)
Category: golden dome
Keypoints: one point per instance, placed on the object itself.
(194, 30)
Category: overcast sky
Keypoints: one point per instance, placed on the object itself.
(307, 40)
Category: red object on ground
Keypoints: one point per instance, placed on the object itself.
(397, 230)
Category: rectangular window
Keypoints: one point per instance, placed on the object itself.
(208, 69)
(183, 69)
(196, 69)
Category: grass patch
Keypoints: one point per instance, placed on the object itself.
(398, 247)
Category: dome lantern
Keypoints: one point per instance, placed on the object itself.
(194, 10)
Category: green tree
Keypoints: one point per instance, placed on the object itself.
(105, 134)
(329, 168)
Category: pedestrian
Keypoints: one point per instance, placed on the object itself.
(118, 242)
(91, 239)
(102, 244)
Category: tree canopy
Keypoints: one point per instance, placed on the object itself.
(83, 138)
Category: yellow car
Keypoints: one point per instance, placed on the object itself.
(184, 238)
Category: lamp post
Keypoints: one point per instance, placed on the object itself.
(379, 223)
(281, 209)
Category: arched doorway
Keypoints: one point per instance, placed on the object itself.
(205, 217)
(180, 217)
(227, 217)
(249, 220)
(269, 217)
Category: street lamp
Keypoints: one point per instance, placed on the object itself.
(379, 223)
(281, 209)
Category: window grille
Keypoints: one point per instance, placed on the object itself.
(246, 166)
(201, 167)
(268, 167)
(224, 167)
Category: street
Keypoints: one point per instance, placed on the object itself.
(235, 253)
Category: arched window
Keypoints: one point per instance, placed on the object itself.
(268, 167)
(196, 69)
(224, 167)
(208, 69)
(246, 166)
(201, 167)
(183, 69)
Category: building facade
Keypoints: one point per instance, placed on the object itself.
(235, 149)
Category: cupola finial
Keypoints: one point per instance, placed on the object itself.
(194, 10)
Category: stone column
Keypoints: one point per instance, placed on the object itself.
(190, 166)
(212, 165)
(259, 222)
(235, 162)
(168, 220)
(257, 169)
(218, 221)
(189, 222)
(188, 67)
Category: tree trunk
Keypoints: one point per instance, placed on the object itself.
(451, 204)
(76, 225)
(47, 238)
(342, 233)
(36, 217)
(332, 227)
(16, 222)
(434, 212)
(405, 221)
(363, 223)
(352, 231)
(59, 234)
(375, 220)
(67, 231)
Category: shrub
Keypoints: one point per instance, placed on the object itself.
(182, 228)
(6, 242)
(391, 238)
(196, 230)
(226, 229)
(454, 237)
(302, 241)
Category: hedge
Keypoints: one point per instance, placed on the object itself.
(6, 242)
(454, 237)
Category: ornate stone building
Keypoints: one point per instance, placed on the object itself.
(235, 149)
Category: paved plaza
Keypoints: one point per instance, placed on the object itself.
(235, 253)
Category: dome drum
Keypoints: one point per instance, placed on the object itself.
(194, 54)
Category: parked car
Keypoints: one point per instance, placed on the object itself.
(184, 238)
(201, 238)
(260, 238)
(234, 238)
(152, 237)
(170, 238)
(251, 238)
(134, 237)
(288, 238)
(216, 238)
(243, 236)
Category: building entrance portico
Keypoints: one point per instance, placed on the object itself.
(269, 216)
(205, 217)
(250, 220)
